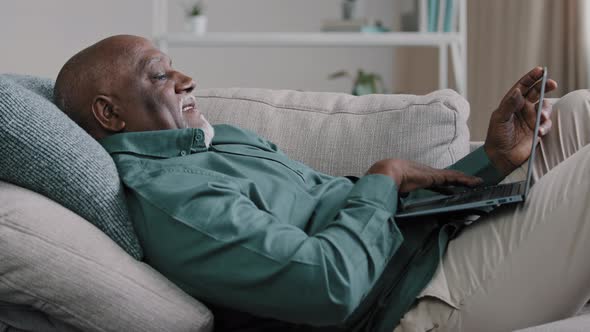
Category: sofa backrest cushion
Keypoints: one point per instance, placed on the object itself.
(341, 134)
(43, 150)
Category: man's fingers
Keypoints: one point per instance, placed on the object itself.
(468, 180)
(534, 92)
(451, 177)
(514, 102)
(531, 117)
(547, 108)
(530, 84)
(444, 190)
(529, 79)
(545, 127)
(450, 182)
(418, 176)
(546, 122)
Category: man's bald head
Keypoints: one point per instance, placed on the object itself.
(124, 84)
(92, 70)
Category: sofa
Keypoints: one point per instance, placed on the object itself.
(62, 269)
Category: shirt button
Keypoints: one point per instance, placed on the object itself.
(199, 137)
(183, 153)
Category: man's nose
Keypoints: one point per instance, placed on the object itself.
(184, 84)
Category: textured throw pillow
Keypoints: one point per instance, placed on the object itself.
(44, 151)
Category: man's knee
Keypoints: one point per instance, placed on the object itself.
(430, 314)
(577, 101)
(571, 119)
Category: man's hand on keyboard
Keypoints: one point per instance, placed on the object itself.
(410, 176)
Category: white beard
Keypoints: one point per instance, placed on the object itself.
(204, 125)
(208, 130)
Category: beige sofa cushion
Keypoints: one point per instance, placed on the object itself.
(56, 262)
(341, 134)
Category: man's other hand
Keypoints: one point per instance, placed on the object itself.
(510, 133)
(410, 176)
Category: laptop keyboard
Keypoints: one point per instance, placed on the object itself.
(483, 193)
(469, 196)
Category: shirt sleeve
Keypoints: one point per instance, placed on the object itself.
(477, 163)
(210, 238)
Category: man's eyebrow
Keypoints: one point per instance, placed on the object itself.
(148, 61)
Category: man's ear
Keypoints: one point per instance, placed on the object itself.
(107, 114)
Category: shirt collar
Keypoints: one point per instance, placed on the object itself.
(159, 143)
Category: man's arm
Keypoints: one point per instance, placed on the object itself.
(477, 163)
(212, 240)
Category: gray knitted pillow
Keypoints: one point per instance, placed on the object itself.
(44, 151)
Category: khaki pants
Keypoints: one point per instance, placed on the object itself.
(528, 264)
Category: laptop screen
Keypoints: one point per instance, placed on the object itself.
(529, 175)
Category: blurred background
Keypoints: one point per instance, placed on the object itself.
(505, 38)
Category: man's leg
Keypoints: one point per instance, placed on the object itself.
(528, 264)
(570, 132)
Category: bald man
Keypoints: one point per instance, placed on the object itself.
(271, 244)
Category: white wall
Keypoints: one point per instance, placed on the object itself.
(38, 36)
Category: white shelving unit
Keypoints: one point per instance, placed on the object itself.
(455, 42)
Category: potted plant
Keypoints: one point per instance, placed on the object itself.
(197, 21)
(364, 83)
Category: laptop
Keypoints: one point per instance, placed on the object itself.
(479, 199)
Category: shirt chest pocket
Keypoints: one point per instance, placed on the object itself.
(297, 211)
(255, 152)
(286, 203)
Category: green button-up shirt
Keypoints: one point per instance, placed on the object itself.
(239, 225)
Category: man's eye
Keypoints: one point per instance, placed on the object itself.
(160, 77)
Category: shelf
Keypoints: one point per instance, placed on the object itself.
(453, 42)
(309, 39)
